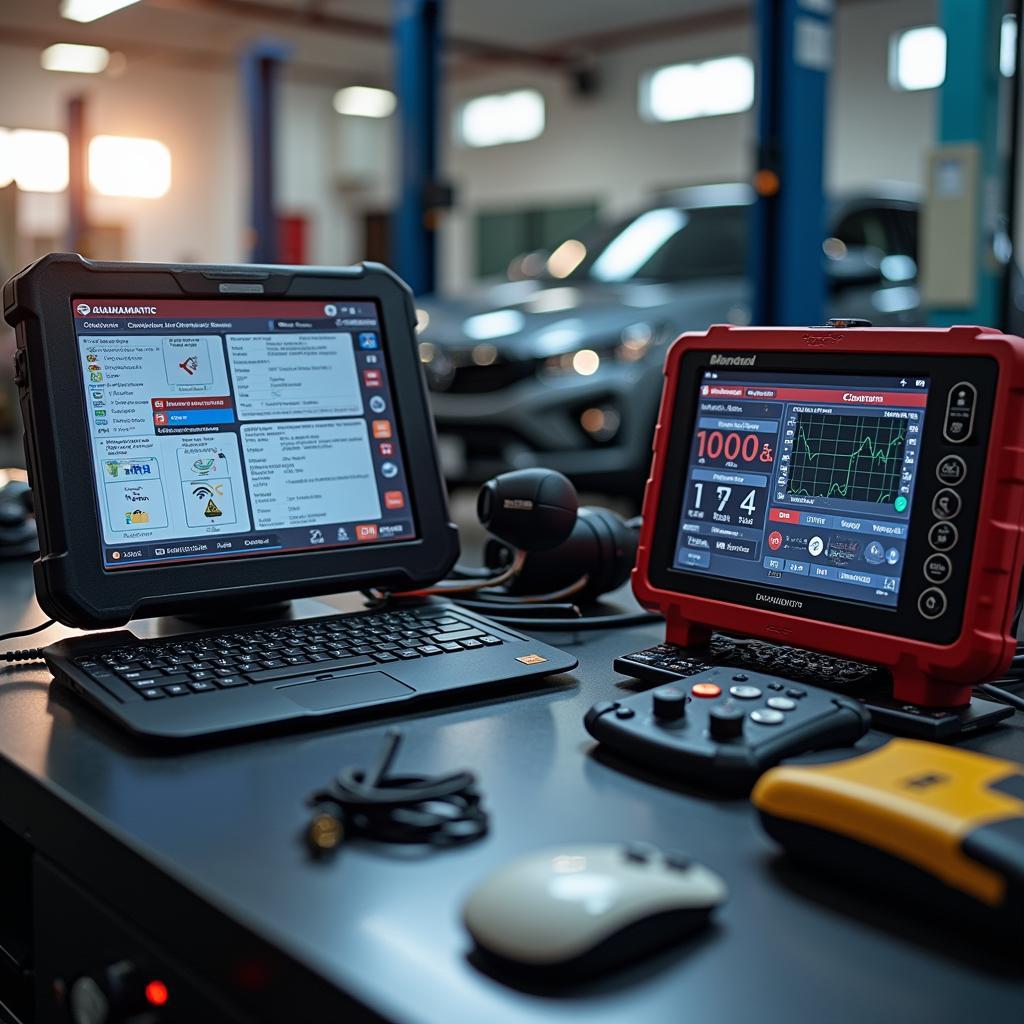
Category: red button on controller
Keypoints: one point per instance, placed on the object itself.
(706, 690)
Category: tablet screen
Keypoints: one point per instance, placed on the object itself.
(226, 428)
(803, 481)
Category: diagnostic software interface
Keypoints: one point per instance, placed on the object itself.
(803, 481)
(223, 429)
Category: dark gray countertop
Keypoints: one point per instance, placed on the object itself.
(383, 924)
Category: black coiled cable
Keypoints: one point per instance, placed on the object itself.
(440, 810)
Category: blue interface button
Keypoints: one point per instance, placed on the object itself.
(697, 542)
(807, 519)
(898, 531)
(736, 548)
(824, 572)
(774, 564)
(368, 340)
(800, 568)
(874, 553)
(868, 579)
(694, 559)
(199, 417)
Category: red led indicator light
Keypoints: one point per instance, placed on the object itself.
(156, 993)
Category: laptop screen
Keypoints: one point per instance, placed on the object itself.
(226, 428)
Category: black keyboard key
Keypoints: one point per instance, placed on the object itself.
(201, 686)
(226, 682)
(288, 671)
(429, 649)
(152, 693)
(176, 690)
(450, 647)
(156, 679)
(456, 634)
(408, 654)
(470, 643)
(384, 656)
(491, 641)
(201, 675)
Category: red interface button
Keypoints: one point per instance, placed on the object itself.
(706, 690)
(784, 515)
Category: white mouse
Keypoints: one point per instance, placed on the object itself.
(586, 909)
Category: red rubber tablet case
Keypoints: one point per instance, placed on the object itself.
(962, 527)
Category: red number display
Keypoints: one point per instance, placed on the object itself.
(712, 444)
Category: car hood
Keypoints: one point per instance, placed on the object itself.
(532, 319)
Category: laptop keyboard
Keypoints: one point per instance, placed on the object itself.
(667, 662)
(189, 664)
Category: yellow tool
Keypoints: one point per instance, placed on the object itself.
(931, 821)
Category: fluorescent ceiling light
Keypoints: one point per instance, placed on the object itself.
(39, 160)
(121, 166)
(501, 118)
(364, 101)
(90, 10)
(707, 88)
(85, 60)
(917, 59)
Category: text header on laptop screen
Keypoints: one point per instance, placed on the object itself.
(225, 428)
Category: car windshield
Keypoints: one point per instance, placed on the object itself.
(668, 243)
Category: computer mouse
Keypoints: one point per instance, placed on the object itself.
(584, 910)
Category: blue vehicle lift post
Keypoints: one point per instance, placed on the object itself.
(418, 43)
(786, 264)
(261, 65)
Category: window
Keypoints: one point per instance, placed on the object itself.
(679, 92)
(917, 58)
(669, 244)
(1008, 45)
(501, 118)
(120, 166)
(37, 161)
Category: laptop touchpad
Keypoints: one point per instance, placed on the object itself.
(345, 691)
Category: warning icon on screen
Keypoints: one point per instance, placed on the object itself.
(212, 512)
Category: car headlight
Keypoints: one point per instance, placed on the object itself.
(634, 343)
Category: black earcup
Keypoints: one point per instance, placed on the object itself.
(529, 509)
(601, 547)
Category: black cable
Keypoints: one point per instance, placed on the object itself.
(28, 653)
(1002, 695)
(439, 810)
(583, 623)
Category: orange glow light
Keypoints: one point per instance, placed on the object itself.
(156, 993)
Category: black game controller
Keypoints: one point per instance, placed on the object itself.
(723, 727)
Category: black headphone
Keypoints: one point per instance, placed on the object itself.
(569, 551)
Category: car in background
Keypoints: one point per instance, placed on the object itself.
(563, 369)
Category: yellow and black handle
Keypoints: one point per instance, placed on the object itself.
(934, 822)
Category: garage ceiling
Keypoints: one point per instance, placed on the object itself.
(348, 40)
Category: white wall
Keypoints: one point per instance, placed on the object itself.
(333, 168)
(194, 114)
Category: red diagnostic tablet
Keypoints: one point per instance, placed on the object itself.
(857, 491)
